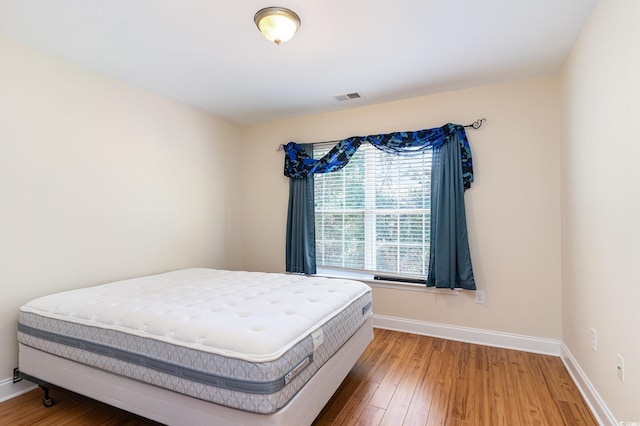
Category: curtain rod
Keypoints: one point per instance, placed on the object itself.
(475, 125)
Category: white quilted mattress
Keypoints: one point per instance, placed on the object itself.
(246, 315)
(248, 340)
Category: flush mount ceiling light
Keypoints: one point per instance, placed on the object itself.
(277, 24)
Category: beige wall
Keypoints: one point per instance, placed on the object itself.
(601, 203)
(513, 207)
(100, 181)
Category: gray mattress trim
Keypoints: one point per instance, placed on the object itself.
(260, 388)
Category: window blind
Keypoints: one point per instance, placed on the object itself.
(374, 214)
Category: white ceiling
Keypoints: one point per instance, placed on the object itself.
(209, 54)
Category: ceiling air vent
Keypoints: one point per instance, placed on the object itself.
(349, 96)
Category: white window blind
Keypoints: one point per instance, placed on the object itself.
(374, 214)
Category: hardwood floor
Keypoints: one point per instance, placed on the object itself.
(70, 409)
(401, 379)
(406, 379)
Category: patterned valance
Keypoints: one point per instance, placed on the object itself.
(298, 164)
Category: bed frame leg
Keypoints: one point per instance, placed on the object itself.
(18, 375)
(47, 401)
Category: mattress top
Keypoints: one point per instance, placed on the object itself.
(253, 316)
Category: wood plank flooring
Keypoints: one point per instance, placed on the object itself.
(401, 379)
(406, 379)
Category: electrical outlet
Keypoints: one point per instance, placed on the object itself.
(479, 296)
(620, 368)
(594, 339)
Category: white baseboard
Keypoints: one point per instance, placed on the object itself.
(470, 335)
(9, 390)
(599, 409)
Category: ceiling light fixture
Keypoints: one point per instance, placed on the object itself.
(277, 24)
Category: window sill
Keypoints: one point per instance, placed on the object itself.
(396, 285)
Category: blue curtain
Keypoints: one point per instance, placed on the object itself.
(452, 174)
(301, 231)
(449, 256)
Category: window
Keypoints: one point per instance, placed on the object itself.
(374, 215)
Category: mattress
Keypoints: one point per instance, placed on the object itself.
(245, 340)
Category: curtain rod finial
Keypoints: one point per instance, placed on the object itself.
(477, 124)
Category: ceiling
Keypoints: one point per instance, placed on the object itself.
(209, 54)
